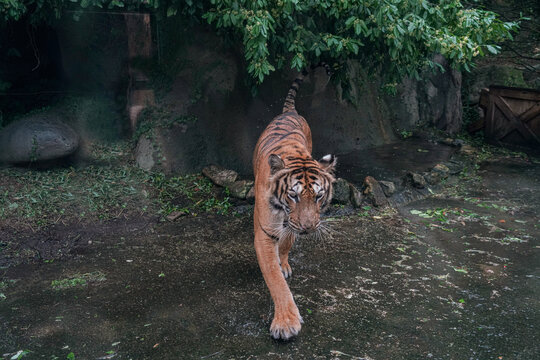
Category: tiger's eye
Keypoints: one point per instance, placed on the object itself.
(292, 195)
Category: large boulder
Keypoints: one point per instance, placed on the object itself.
(435, 100)
(374, 192)
(37, 138)
(220, 176)
(342, 192)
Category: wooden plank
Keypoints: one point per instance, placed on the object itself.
(490, 113)
(501, 126)
(484, 98)
(522, 94)
(530, 114)
(523, 129)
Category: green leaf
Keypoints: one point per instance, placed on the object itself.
(492, 49)
(171, 11)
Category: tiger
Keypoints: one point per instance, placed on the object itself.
(291, 190)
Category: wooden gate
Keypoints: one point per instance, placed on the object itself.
(512, 115)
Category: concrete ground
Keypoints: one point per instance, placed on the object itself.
(452, 276)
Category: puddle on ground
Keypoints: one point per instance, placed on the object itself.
(455, 285)
(392, 161)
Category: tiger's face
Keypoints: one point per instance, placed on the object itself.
(300, 192)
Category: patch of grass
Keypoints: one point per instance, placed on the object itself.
(78, 280)
(189, 194)
(108, 188)
(48, 196)
(405, 134)
(365, 211)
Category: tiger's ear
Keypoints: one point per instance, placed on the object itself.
(328, 163)
(276, 163)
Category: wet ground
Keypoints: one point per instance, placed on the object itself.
(392, 161)
(452, 276)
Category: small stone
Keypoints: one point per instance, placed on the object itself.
(388, 187)
(240, 189)
(342, 192)
(448, 141)
(454, 167)
(467, 150)
(437, 174)
(175, 215)
(433, 178)
(356, 196)
(220, 176)
(442, 169)
(417, 180)
(251, 193)
(458, 142)
(374, 192)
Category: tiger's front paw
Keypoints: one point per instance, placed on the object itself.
(286, 324)
(286, 269)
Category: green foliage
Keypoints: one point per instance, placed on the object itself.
(153, 117)
(189, 194)
(399, 36)
(108, 189)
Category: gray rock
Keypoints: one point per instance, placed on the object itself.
(467, 150)
(448, 141)
(145, 154)
(374, 192)
(454, 167)
(489, 74)
(356, 196)
(441, 169)
(251, 193)
(241, 188)
(175, 215)
(437, 174)
(220, 176)
(452, 142)
(433, 178)
(458, 142)
(417, 180)
(342, 192)
(37, 138)
(434, 100)
(389, 188)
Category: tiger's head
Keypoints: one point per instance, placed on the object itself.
(301, 191)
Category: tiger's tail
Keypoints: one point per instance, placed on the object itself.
(291, 95)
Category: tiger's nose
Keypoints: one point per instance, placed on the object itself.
(310, 227)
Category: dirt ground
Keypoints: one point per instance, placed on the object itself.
(452, 276)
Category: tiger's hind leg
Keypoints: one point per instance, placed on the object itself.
(284, 246)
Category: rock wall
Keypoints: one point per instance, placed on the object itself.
(212, 88)
(435, 100)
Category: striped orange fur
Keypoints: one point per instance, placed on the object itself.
(291, 191)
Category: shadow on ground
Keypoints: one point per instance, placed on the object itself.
(453, 276)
